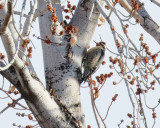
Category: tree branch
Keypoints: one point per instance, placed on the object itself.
(85, 19)
(32, 90)
(6, 19)
(10, 105)
(60, 73)
(47, 113)
(156, 2)
(145, 20)
(9, 74)
(27, 28)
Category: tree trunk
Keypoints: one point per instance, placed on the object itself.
(61, 107)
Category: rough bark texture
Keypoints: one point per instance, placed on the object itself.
(63, 74)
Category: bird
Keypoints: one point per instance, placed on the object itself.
(92, 60)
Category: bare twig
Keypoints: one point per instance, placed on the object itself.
(154, 123)
(3, 83)
(10, 105)
(145, 121)
(93, 107)
(22, 13)
(99, 115)
(119, 125)
(108, 110)
(147, 105)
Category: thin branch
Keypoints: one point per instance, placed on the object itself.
(131, 99)
(93, 107)
(3, 97)
(99, 7)
(145, 121)
(28, 24)
(39, 12)
(22, 13)
(7, 18)
(108, 110)
(3, 83)
(99, 115)
(5, 24)
(138, 109)
(10, 105)
(27, 28)
(147, 105)
(154, 123)
(119, 125)
(19, 13)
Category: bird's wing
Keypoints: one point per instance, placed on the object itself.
(91, 61)
(101, 57)
(94, 56)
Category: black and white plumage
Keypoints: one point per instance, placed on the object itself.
(93, 59)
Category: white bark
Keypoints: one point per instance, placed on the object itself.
(63, 74)
(85, 19)
(60, 75)
(47, 113)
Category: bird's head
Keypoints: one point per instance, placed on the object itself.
(102, 44)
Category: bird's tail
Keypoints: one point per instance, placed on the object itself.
(86, 74)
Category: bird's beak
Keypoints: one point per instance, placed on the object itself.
(95, 42)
